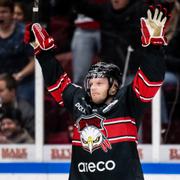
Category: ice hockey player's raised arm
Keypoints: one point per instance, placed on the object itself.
(56, 80)
(150, 75)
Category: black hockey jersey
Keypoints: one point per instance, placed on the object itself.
(104, 144)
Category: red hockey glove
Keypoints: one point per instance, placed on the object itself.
(38, 38)
(28, 36)
(153, 28)
(30, 39)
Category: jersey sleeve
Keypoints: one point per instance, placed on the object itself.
(150, 75)
(56, 80)
(147, 81)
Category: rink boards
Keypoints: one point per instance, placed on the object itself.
(56, 171)
(19, 162)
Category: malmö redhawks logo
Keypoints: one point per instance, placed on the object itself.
(93, 134)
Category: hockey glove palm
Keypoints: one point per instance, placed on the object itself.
(153, 28)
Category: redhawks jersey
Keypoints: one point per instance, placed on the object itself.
(104, 144)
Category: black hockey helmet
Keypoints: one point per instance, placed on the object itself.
(101, 70)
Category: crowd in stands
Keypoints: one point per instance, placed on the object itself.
(17, 74)
(85, 31)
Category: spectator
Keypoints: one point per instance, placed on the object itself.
(85, 45)
(20, 12)
(172, 76)
(16, 58)
(119, 28)
(9, 99)
(23, 10)
(12, 127)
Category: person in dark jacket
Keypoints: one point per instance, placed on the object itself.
(16, 58)
(106, 115)
(120, 28)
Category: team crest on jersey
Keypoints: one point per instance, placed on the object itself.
(93, 134)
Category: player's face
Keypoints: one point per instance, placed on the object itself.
(119, 4)
(98, 89)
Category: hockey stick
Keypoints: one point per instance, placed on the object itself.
(35, 10)
(129, 50)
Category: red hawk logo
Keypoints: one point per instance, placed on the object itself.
(93, 134)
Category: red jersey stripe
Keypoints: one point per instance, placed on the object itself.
(144, 89)
(57, 89)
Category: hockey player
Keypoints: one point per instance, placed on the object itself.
(107, 117)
